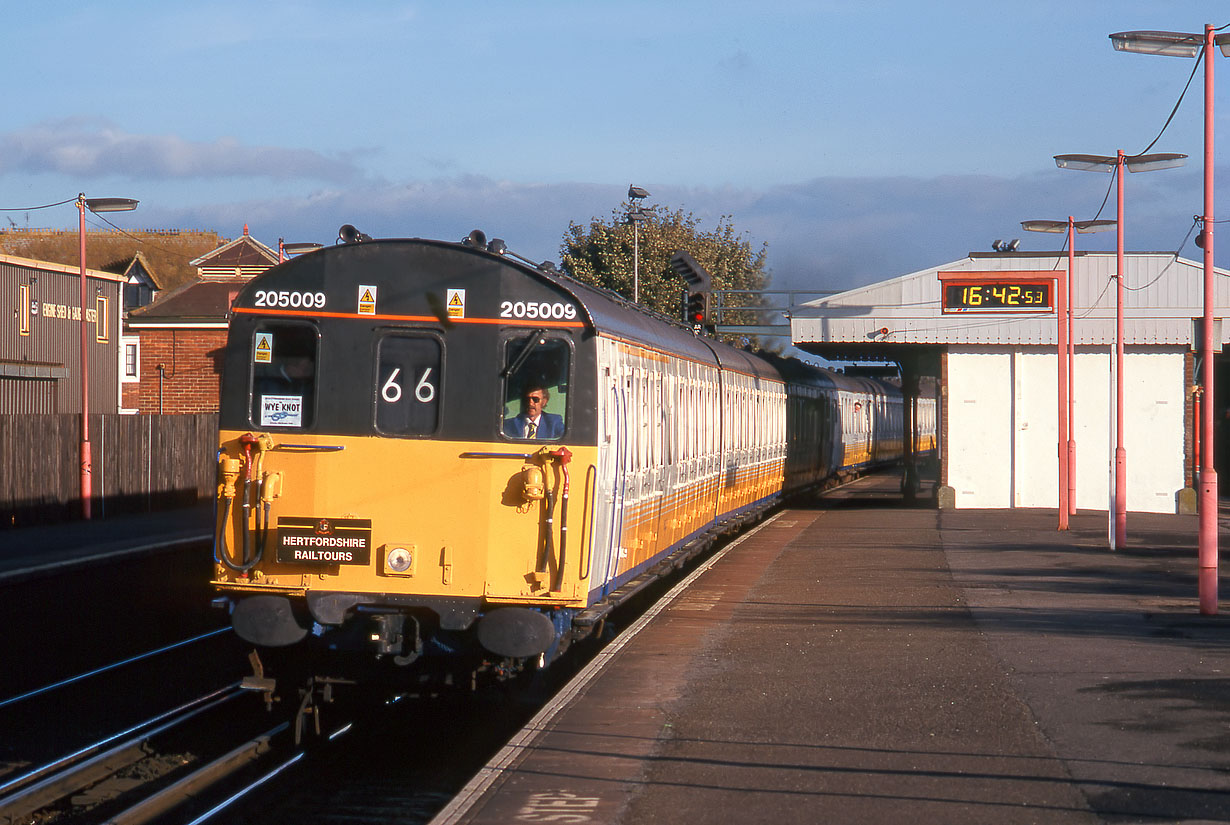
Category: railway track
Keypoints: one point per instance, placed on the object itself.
(175, 767)
(145, 760)
(108, 668)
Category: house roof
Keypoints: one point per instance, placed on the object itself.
(168, 254)
(201, 303)
(244, 256)
(138, 269)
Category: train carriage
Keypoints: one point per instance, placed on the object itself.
(382, 492)
(376, 493)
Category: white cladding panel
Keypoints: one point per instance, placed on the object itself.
(1036, 430)
(1091, 429)
(979, 428)
(1153, 438)
(1003, 440)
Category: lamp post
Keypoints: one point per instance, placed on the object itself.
(635, 215)
(286, 250)
(1133, 163)
(1181, 44)
(1063, 323)
(94, 205)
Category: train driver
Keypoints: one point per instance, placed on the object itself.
(533, 421)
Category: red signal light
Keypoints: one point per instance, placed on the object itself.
(698, 308)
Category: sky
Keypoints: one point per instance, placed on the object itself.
(859, 141)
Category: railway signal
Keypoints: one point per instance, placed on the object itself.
(698, 309)
(698, 280)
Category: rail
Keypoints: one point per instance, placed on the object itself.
(24, 795)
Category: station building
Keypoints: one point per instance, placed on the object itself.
(994, 355)
(40, 337)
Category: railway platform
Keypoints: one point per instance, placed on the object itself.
(868, 662)
(30, 552)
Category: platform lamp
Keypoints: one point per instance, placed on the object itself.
(635, 215)
(94, 205)
(285, 250)
(1063, 323)
(1117, 163)
(1182, 44)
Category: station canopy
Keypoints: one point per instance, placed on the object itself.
(999, 299)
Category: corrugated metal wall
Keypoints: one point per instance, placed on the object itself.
(27, 396)
(50, 354)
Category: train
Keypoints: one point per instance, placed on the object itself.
(441, 452)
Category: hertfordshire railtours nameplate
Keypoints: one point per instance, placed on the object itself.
(324, 540)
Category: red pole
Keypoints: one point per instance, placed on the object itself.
(1196, 424)
(1120, 450)
(86, 482)
(1061, 359)
(1207, 582)
(1071, 480)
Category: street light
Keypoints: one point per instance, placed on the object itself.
(635, 215)
(1063, 323)
(1133, 163)
(1182, 44)
(94, 205)
(285, 250)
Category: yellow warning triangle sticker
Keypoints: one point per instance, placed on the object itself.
(263, 343)
(455, 301)
(367, 296)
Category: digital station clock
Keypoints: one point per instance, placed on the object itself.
(997, 296)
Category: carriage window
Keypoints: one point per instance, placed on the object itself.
(535, 402)
(284, 375)
(408, 385)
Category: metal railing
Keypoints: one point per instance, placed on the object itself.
(758, 311)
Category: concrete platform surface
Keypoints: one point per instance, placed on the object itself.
(867, 662)
(30, 552)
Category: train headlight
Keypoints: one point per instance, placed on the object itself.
(399, 559)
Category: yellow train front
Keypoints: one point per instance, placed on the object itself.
(380, 490)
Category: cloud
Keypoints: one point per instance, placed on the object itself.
(88, 147)
(531, 218)
(822, 234)
(835, 233)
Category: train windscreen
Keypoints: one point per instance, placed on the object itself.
(535, 403)
(284, 359)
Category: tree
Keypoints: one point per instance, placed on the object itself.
(601, 254)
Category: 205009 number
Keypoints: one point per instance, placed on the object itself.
(283, 298)
(545, 310)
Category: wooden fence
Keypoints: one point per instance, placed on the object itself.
(141, 463)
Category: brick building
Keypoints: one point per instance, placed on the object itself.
(173, 346)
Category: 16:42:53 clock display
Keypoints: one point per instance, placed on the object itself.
(970, 296)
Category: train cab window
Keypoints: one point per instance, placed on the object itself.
(408, 385)
(535, 393)
(284, 375)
